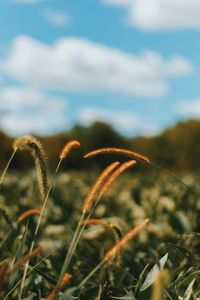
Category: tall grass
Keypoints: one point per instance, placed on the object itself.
(98, 190)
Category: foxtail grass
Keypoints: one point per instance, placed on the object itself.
(66, 278)
(63, 154)
(138, 157)
(35, 148)
(109, 228)
(28, 213)
(118, 151)
(90, 203)
(111, 254)
(97, 187)
(122, 168)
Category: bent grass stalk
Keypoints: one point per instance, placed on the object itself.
(137, 156)
(35, 148)
(93, 198)
(63, 154)
(102, 223)
(89, 200)
(115, 250)
(119, 151)
(28, 213)
(107, 227)
(32, 145)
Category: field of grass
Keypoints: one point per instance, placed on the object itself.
(170, 240)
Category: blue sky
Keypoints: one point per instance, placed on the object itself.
(132, 63)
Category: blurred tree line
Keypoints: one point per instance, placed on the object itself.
(177, 148)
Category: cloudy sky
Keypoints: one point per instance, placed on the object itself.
(131, 63)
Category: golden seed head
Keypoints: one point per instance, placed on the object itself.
(68, 148)
(28, 213)
(102, 223)
(121, 169)
(66, 278)
(123, 242)
(96, 188)
(31, 144)
(119, 151)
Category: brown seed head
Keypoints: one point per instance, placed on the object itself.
(34, 147)
(102, 223)
(66, 278)
(28, 213)
(119, 151)
(121, 169)
(122, 243)
(68, 148)
(96, 188)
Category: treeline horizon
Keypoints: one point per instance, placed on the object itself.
(176, 148)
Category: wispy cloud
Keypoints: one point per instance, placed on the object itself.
(189, 108)
(123, 121)
(56, 18)
(160, 14)
(75, 64)
(26, 110)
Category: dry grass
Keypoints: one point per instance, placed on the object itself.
(50, 279)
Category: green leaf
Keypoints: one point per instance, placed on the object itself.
(153, 274)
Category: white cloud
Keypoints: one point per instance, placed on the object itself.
(189, 109)
(123, 121)
(75, 64)
(26, 110)
(161, 14)
(56, 18)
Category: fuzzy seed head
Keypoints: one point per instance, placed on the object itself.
(102, 223)
(35, 148)
(28, 213)
(119, 151)
(66, 278)
(123, 242)
(68, 148)
(96, 188)
(121, 169)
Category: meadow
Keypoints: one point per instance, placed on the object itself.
(160, 261)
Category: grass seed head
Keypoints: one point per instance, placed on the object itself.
(96, 188)
(28, 213)
(68, 148)
(123, 242)
(121, 169)
(100, 222)
(66, 278)
(119, 151)
(32, 145)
